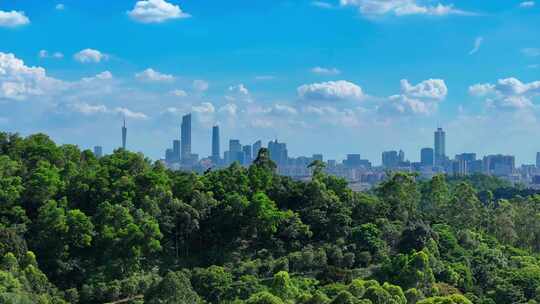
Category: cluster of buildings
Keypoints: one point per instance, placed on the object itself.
(360, 173)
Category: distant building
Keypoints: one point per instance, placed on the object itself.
(124, 135)
(318, 157)
(499, 165)
(176, 150)
(440, 147)
(426, 157)
(216, 154)
(401, 156)
(278, 152)
(185, 137)
(467, 157)
(235, 152)
(256, 147)
(390, 159)
(247, 154)
(538, 160)
(98, 151)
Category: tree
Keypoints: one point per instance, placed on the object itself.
(174, 288)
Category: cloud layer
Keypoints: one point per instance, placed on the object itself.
(156, 11)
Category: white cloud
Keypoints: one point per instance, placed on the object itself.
(325, 71)
(179, 93)
(527, 4)
(204, 108)
(156, 11)
(431, 88)
(87, 109)
(333, 116)
(239, 89)
(373, 8)
(283, 110)
(230, 109)
(481, 89)
(531, 52)
(150, 75)
(405, 105)
(507, 93)
(331, 90)
(18, 81)
(477, 44)
(90, 56)
(45, 54)
(322, 4)
(106, 75)
(60, 7)
(130, 114)
(13, 19)
(200, 85)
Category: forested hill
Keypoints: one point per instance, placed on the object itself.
(121, 229)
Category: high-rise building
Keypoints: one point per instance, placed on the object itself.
(467, 157)
(98, 151)
(499, 165)
(538, 160)
(124, 135)
(278, 152)
(256, 147)
(247, 154)
(235, 153)
(440, 147)
(215, 145)
(390, 159)
(176, 150)
(401, 156)
(426, 157)
(185, 137)
(318, 157)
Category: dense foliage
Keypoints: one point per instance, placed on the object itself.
(121, 229)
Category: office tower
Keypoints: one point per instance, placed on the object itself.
(176, 150)
(460, 167)
(352, 161)
(169, 156)
(468, 157)
(390, 159)
(499, 165)
(538, 160)
(235, 153)
(401, 156)
(440, 147)
(98, 151)
(247, 154)
(278, 152)
(426, 157)
(318, 157)
(256, 147)
(124, 135)
(185, 138)
(215, 145)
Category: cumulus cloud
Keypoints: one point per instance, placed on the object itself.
(156, 11)
(531, 52)
(230, 109)
(527, 4)
(95, 109)
(90, 56)
(151, 75)
(477, 44)
(204, 108)
(325, 71)
(507, 93)
(106, 75)
(13, 19)
(330, 91)
(334, 116)
(374, 8)
(431, 88)
(45, 54)
(179, 93)
(19, 82)
(200, 85)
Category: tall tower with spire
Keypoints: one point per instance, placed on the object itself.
(124, 134)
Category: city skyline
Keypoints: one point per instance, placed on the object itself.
(331, 77)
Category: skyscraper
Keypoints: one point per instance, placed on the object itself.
(215, 145)
(247, 154)
(235, 152)
(426, 157)
(185, 137)
(390, 159)
(440, 147)
(176, 150)
(278, 152)
(124, 135)
(256, 147)
(98, 151)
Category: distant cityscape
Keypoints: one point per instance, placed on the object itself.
(359, 172)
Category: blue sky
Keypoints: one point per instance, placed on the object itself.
(335, 77)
